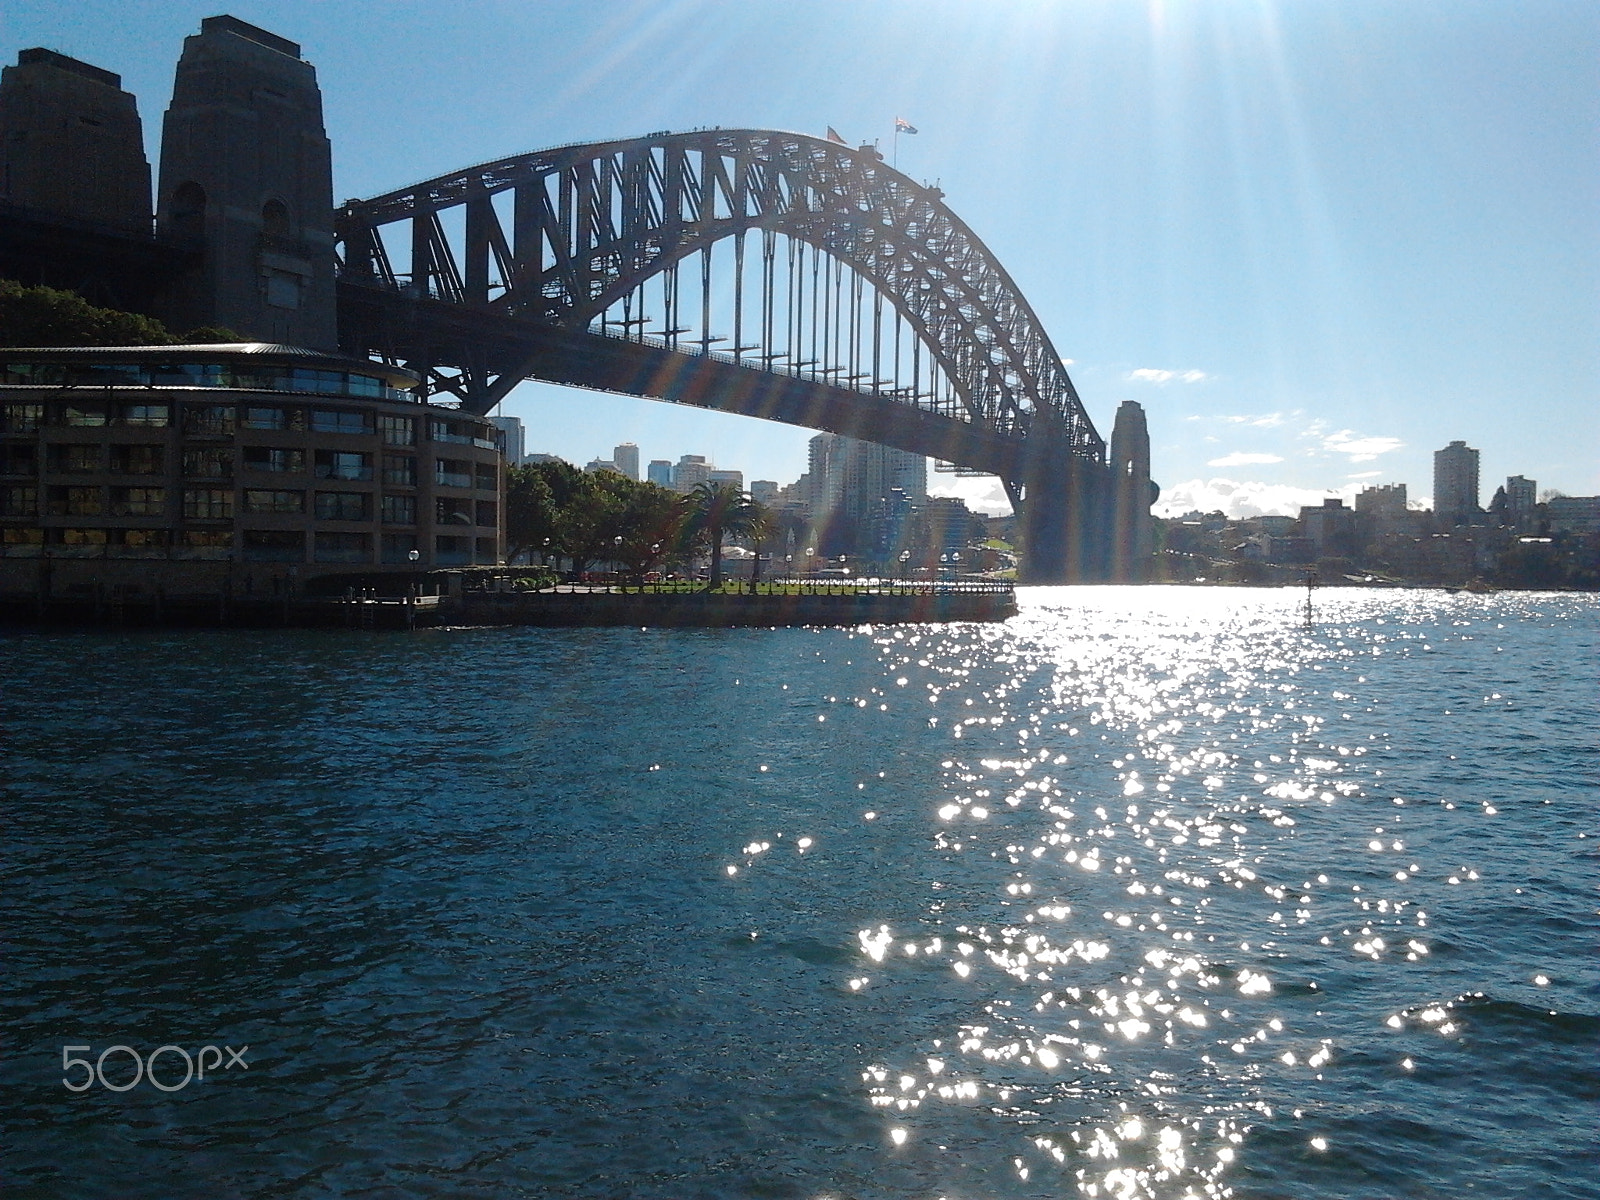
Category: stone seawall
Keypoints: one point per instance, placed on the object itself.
(593, 608)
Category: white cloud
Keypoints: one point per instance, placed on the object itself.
(1360, 449)
(1243, 498)
(1157, 375)
(1364, 475)
(983, 493)
(1240, 458)
(1264, 421)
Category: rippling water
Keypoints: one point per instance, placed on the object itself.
(1146, 893)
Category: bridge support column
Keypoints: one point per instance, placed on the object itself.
(1132, 534)
(1065, 512)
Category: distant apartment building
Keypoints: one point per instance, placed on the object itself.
(659, 472)
(1332, 529)
(849, 476)
(1574, 514)
(515, 438)
(1521, 497)
(1455, 484)
(626, 456)
(764, 491)
(733, 479)
(690, 472)
(1386, 499)
(600, 464)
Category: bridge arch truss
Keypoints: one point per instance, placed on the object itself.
(806, 257)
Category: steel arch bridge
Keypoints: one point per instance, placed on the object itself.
(752, 271)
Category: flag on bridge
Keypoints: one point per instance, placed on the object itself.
(901, 125)
(833, 136)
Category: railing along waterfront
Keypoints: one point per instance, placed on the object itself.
(798, 586)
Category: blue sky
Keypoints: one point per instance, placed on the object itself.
(1316, 240)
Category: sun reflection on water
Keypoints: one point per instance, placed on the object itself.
(1156, 813)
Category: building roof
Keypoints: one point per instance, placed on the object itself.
(252, 353)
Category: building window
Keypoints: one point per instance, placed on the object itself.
(208, 462)
(398, 431)
(138, 460)
(467, 433)
(260, 500)
(343, 547)
(79, 537)
(18, 460)
(343, 464)
(399, 470)
(450, 473)
(448, 510)
(487, 478)
(486, 550)
(399, 510)
(273, 417)
(303, 379)
(487, 515)
(155, 416)
(272, 458)
(16, 539)
(208, 420)
(76, 502)
(338, 420)
(141, 541)
(19, 502)
(21, 418)
(87, 415)
(208, 539)
(207, 504)
(397, 547)
(342, 506)
(76, 460)
(452, 551)
(138, 501)
(273, 545)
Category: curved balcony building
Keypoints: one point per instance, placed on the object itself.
(242, 470)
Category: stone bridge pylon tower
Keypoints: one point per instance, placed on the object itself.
(247, 178)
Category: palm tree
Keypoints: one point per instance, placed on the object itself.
(718, 511)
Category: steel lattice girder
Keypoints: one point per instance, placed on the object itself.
(591, 223)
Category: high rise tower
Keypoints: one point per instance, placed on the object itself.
(626, 456)
(1132, 493)
(1455, 484)
(246, 173)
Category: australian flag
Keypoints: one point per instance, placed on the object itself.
(901, 125)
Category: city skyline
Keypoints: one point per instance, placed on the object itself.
(1316, 244)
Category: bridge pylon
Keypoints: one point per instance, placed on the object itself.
(1063, 519)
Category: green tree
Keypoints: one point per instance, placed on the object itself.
(43, 316)
(589, 521)
(718, 511)
(650, 523)
(530, 511)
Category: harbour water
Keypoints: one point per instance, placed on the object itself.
(1144, 893)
